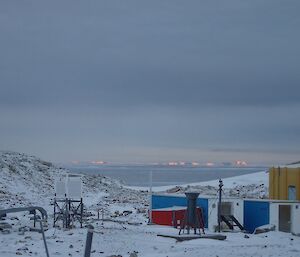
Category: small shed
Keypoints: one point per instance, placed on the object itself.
(252, 213)
(208, 204)
(284, 182)
(160, 201)
(283, 214)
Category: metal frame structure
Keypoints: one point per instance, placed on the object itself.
(68, 210)
(193, 217)
(68, 203)
(196, 224)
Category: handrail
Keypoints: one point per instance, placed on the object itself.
(20, 209)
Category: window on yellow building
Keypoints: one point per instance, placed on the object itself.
(292, 193)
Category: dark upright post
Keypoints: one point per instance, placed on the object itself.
(89, 239)
(81, 212)
(54, 210)
(219, 205)
(34, 218)
(44, 238)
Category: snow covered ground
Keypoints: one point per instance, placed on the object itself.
(28, 180)
(113, 239)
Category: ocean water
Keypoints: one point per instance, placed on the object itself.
(162, 175)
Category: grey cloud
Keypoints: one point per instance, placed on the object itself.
(117, 54)
(158, 74)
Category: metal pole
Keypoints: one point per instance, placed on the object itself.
(34, 218)
(81, 212)
(89, 239)
(219, 204)
(54, 211)
(44, 238)
(150, 202)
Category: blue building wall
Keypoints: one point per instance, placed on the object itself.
(165, 201)
(256, 213)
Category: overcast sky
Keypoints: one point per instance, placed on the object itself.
(147, 81)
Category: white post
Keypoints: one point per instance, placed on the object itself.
(150, 202)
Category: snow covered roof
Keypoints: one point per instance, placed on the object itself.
(173, 208)
(292, 165)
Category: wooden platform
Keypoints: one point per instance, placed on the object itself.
(186, 237)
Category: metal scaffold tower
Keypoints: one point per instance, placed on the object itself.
(68, 202)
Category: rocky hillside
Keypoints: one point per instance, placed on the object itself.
(26, 179)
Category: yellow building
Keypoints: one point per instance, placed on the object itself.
(284, 182)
